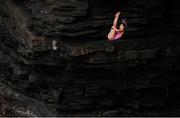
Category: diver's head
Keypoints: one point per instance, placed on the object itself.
(121, 21)
(124, 23)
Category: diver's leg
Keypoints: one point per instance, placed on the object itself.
(111, 34)
(116, 19)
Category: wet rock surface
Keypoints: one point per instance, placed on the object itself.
(87, 75)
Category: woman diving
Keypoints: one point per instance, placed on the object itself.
(118, 28)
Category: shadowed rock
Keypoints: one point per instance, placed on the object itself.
(55, 59)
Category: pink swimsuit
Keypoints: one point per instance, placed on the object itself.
(118, 35)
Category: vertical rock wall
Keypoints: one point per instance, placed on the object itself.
(87, 75)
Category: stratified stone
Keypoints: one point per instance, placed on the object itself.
(56, 54)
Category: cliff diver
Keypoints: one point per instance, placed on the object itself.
(118, 28)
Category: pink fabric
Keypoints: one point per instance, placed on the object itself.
(118, 35)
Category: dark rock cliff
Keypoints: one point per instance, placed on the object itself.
(86, 75)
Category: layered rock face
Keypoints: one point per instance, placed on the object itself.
(55, 59)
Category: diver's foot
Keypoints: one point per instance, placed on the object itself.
(117, 14)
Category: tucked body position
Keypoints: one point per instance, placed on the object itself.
(118, 28)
